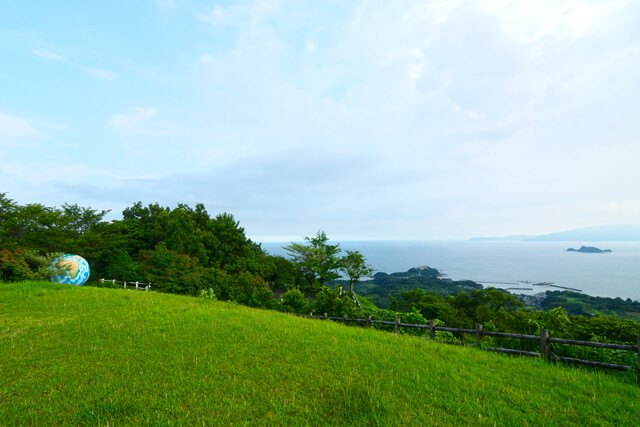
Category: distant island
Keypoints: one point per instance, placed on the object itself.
(589, 250)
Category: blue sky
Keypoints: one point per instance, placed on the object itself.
(367, 119)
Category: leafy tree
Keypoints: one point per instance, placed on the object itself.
(278, 271)
(246, 290)
(76, 220)
(46, 229)
(172, 272)
(355, 266)
(331, 302)
(146, 225)
(8, 209)
(121, 266)
(13, 265)
(227, 244)
(317, 260)
(183, 235)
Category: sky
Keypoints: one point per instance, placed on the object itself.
(370, 120)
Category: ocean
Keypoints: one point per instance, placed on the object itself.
(510, 264)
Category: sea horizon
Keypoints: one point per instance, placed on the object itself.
(508, 263)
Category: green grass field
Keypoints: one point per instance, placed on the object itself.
(83, 355)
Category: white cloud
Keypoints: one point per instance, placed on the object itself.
(250, 12)
(101, 74)
(206, 58)
(13, 128)
(310, 47)
(165, 5)
(133, 121)
(459, 105)
(47, 55)
(438, 119)
(35, 46)
(219, 15)
(527, 21)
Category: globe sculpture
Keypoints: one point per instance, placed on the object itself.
(71, 270)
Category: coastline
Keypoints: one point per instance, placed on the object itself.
(612, 276)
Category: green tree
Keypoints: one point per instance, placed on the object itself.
(120, 266)
(293, 301)
(8, 217)
(247, 290)
(228, 246)
(316, 260)
(183, 235)
(355, 266)
(13, 265)
(172, 272)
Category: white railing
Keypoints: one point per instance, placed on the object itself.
(138, 286)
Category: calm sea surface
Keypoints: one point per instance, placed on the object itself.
(615, 274)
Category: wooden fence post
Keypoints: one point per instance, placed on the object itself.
(310, 314)
(479, 329)
(398, 325)
(545, 350)
(325, 316)
(369, 325)
(344, 319)
(432, 329)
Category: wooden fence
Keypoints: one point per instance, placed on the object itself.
(544, 339)
(138, 286)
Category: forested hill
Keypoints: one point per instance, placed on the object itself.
(607, 233)
(383, 287)
(181, 250)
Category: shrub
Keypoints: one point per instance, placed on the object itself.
(246, 290)
(262, 297)
(208, 294)
(42, 265)
(13, 265)
(293, 301)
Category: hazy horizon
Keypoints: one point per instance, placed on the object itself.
(606, 234)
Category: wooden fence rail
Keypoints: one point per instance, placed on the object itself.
(544, 339)
(138, 286)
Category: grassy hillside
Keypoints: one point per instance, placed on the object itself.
(89, 355)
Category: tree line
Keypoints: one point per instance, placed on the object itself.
(183, 250)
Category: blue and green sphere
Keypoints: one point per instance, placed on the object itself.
(77, 270)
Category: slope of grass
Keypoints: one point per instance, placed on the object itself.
(96, 356)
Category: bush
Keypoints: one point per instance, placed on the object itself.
(208, 294)
(42, 265)
(262, 297)
(219, 281)
(13, 265)
(246, 289)
(414, 318)
(293, 302)
(172, 272)
(335, 305)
